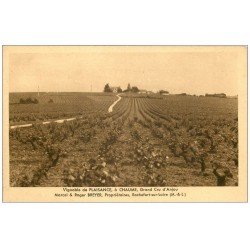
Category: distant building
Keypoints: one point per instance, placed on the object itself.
(163, 92)
(142, 91)
(233, 96)
(115, 89)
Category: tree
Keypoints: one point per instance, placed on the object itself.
(135, 89)
(107, 88)
(119, 90)
(129, 88)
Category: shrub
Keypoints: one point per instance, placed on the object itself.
(28, 100)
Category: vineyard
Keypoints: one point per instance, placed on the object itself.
(53, 106)
(144, 141)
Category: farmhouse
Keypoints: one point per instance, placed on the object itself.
(164, 92)
(150, 92)
(142, 91)
(114, 89)
(233, 97)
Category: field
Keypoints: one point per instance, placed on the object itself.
(63, 105)
(145, 141)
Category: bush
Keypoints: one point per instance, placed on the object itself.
(28, 100)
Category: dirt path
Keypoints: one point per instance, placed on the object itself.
(47, 122)
(110, 109)
(112, 106)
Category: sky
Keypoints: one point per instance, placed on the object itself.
(178, 70)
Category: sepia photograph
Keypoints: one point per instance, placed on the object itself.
(124, 116)
(124, 124)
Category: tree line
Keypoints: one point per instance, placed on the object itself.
(133, 89)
